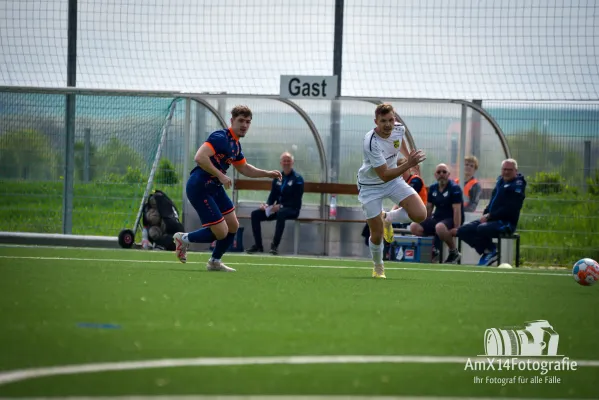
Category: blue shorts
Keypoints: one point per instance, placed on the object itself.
(209, 199)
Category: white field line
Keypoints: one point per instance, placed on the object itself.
(467, 269)
(255, 256)
(269, 397)
(25, 374)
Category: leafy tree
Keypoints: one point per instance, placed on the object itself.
(116, 158)
(28, 154)
(166, 173)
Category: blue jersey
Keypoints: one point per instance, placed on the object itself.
(227, 151)
(444, 201)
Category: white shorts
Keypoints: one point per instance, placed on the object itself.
(372, 197)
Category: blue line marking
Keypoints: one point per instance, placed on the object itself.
(97, 326)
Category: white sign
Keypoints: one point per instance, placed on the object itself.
(311, 87)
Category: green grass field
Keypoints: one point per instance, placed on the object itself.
(144, 306)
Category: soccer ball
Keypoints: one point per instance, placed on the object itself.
(586, 272)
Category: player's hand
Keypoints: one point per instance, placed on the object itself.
(416, 157)
(225, 180)
(276, 208)
(454, 232)
(274, 175)
(484, 218)
(263, 206)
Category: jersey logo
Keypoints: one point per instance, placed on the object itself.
(396, 144)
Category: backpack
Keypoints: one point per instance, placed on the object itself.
(161, 220)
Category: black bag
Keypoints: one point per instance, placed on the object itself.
(161, 229)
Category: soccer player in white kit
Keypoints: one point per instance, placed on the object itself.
(380, 178)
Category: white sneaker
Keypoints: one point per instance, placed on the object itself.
(218, 266)
(180, 247)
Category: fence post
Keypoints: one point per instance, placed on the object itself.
(186, 146)
(69, 167)
(86, 154)
(587, 164)
(462, 145)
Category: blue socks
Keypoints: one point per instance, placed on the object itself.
(222, 246)
(203, 235)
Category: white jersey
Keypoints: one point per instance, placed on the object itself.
(378, 151)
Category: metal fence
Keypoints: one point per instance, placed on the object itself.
(117, 134)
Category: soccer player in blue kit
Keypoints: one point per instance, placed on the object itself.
(206, 189)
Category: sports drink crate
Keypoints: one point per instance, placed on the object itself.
(411, 249)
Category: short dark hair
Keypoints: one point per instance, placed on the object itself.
(383, 109)
(241, 110)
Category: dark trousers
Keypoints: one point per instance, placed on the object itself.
(479, 235)
(281, 216)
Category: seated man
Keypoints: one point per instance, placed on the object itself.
(472, 188)
(445, 197)
(284, 202)
(500, 216)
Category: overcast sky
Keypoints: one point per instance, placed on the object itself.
(494, 50)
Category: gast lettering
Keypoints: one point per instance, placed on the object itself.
(313, 87)
(531, 348)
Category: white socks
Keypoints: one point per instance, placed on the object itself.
(399, 215)
(376, 250)
(184, 238)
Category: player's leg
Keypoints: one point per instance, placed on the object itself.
(411, 209)
(281, 216)
(374, 219)
(226, 208)
(213, 224)
(443, 229)
(414, 207)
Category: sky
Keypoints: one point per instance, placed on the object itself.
(439, 49)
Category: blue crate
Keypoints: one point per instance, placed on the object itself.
(411, 249)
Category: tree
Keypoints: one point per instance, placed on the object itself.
(28, 154)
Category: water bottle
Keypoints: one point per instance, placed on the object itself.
(333, 207)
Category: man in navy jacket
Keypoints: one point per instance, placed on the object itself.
(284, 202)
(500, 216)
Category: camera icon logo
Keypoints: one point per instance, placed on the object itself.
(537, 338)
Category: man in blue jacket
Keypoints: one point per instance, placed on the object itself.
(284, 202)
(500, 216)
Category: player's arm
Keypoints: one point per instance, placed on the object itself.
(252, 172)
(388, 174)
(202, 158)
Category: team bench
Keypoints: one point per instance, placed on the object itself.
(309, 187)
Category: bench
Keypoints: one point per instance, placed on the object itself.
(508, 236)
(309, 187)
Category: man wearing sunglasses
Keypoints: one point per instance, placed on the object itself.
(445, 197)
